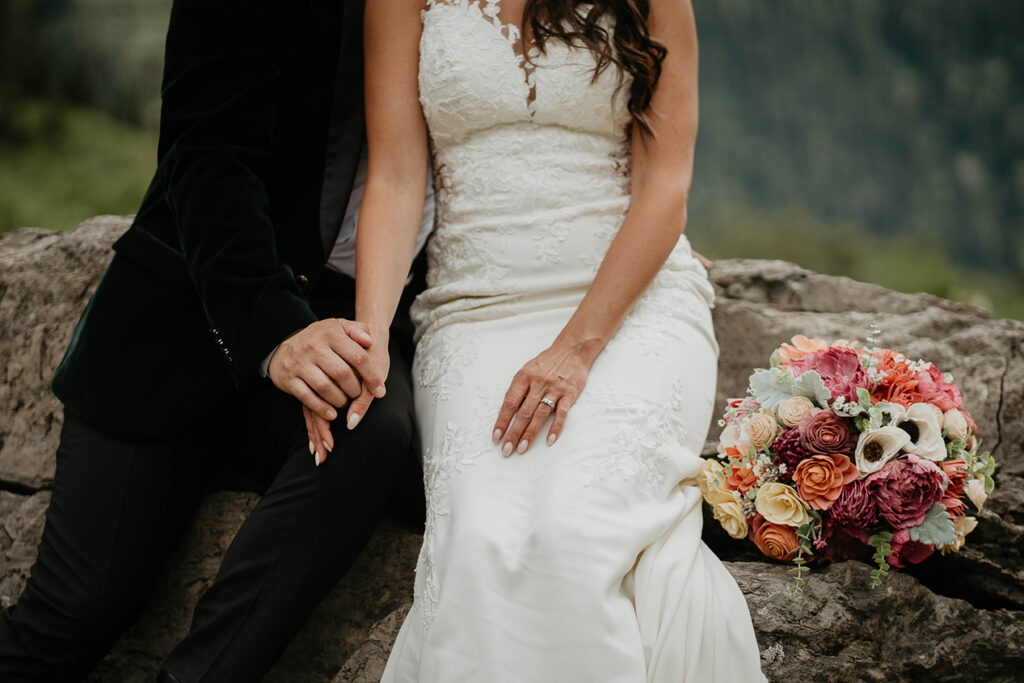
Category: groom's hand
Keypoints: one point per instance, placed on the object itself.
(325, 365)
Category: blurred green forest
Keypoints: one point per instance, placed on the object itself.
(880, 139)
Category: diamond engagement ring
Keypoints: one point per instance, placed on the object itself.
(548, 402)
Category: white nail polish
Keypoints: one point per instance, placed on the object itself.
(496, 436)
(329, 449)
(506, 450)
(551, 438)
(523, 445)
(312, 450)
(353, 420)
(316, 459)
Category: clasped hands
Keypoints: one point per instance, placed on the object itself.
(327, 366)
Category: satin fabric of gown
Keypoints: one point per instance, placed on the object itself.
(581, 561)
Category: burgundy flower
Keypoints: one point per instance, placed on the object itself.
(934, 389)
(824, 432)
(905, 489)
(839, 367)
(906, 551)
(855, 506)
(844, 542)
(789, 451)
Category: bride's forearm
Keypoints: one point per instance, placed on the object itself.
(656, 219)
(389, 221)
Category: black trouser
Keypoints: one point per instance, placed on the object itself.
(118, 508)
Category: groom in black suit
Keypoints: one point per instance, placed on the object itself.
(235, 267)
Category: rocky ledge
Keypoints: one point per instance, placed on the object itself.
(958, 617)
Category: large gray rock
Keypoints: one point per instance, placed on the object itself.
(944, 622)
(835, 630)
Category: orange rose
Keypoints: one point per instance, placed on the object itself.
(742, 479)
(777, 541)
(820, 478)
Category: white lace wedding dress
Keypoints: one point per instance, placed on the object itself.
(582, 561)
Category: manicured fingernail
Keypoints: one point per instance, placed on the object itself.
(496, 436)
(311, 449)
(353, 420)
(506, 450)
(551, 438)
(328, 447)
(316, 459)
(523, 445)
(331, 415)
(380, 391)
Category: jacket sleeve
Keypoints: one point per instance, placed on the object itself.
(223, 63)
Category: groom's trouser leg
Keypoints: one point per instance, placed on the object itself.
(303, 535)
(116, 508)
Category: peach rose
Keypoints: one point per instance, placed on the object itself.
(730, 516)
(792, 410)
(777, 541)
(762, 429)
(712, 483)
(780, 504)
(820, 478)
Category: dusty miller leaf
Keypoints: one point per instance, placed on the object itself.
(936, 529)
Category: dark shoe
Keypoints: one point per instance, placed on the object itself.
(166, 677)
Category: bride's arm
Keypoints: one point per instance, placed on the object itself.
(662, 166)
(392, 208)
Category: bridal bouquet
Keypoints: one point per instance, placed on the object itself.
(845, 452)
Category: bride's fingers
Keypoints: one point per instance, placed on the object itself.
(540, 416)
(513, 399)
(561, 412)
(323, 429)
(524, 416)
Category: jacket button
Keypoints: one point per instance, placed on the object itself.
(303, 282)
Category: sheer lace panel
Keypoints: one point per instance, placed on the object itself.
(514, 36)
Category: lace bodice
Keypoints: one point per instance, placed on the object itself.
(531, 162)
(473, 77)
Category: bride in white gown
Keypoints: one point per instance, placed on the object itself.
(559, 283)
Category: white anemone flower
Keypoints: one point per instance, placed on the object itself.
(878, 446)
(925, 429)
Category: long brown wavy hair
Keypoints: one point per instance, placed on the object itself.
(630, 46)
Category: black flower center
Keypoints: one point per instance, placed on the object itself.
(911, 428)
(873, 451)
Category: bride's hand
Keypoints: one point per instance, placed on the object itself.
(550, 383)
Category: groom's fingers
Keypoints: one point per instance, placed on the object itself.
(309, 398)
(358, 408)
(357, 331)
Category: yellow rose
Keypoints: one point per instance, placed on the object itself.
(730, 515)
(780, 504)
(975, 490)
(762, 428)
(712, 483)
(792, 410)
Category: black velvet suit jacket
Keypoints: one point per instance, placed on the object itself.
(227, 243)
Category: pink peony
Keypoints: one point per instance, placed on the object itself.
(905, 489)
(855, 506)
(824, 432)
(789, 452)
(906, 551)
(934, 389)
(839, 367)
